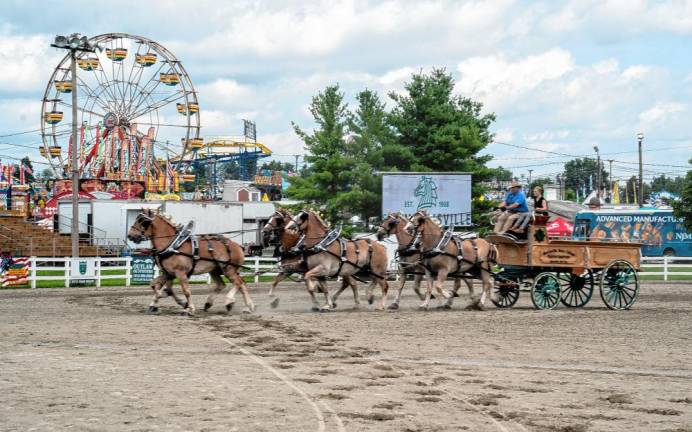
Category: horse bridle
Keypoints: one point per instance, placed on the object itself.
(143, 221)
(299, 219)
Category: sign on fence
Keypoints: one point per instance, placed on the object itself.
(446, 196)
(142, 268)
(83, 269)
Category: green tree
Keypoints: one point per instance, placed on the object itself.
(443, 131)
(683, 207)
(581, 174)
(372, 146)
(46, 173)
(328, 175)
(502, 174)
(277, 166)
(674, 185)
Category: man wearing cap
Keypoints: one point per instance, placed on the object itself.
(512, 206)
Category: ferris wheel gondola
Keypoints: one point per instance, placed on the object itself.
(129, 99)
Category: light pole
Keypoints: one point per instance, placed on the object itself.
(530, 171)
(598, 172)
(640, 138)
(75, 42)
(610, 180)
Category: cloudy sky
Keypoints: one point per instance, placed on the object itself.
(561, 76)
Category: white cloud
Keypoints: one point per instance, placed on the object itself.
(26, 62)
(661, 112)
(499, 82)
(227, 93)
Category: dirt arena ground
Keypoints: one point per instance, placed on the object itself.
(86, 359)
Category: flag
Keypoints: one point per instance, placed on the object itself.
(22, 179)
(616, 193)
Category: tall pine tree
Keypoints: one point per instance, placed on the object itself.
(444, 132)
(329, 173)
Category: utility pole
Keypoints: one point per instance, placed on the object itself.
(610, 180)
(640, 138)
(74, 43)
(598, 172)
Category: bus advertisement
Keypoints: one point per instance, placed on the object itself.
(661, 233)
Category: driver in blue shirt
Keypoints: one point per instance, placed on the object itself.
(512, 207)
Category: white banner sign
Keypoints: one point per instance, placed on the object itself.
(83, 268)
(446, 196)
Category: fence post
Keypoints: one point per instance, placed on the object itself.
(97, 268)
(68, 270)
(665, 268)
(128, 272)
(256, 269)
(32, 271)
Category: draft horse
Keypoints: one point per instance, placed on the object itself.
(409, 257)
(180, 255)
(291, 252)
(329, 256)
(445, 256)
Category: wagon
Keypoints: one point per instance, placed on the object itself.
(564, 271)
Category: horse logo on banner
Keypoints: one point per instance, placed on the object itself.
(427, 191)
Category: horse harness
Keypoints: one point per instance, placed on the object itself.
(458, 239)
(185, 234)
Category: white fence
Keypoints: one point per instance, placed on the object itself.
(121, 268)
(666, 266)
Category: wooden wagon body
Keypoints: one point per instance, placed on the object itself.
(565, 271)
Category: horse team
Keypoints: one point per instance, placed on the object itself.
(306, 246)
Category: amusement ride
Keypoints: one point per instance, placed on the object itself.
(139, 118)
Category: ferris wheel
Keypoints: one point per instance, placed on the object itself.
(136, 107)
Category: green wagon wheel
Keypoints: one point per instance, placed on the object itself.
(619, 285)
(576, 289)
(545, 291)
(506, 288)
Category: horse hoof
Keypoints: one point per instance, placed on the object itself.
(247, 310)
(333, 305)
(324, 310)
(371, 299)
(315, 309)
(423, 307)
(379, 308)
(455, 294)
(186, 313)
(152, 309)
(432, 296)
(207, 306)
(393, 306)
(274, 303)
(229, 307)
(475, 306)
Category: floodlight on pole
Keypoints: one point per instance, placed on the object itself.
(75, 42)
(640, 197)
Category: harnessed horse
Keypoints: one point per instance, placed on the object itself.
(330, 255)
(291, 252)
(179, 254)
(408, 256)
(447, 255)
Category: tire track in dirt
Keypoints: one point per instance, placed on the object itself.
(321, 425)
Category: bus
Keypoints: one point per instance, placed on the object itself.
(661, 233)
